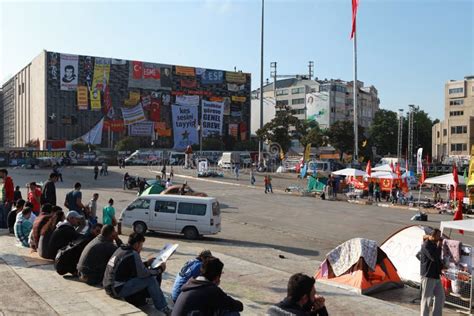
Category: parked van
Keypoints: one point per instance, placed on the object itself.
(189, 215)
(229, 159)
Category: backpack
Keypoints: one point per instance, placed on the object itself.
(67, 257)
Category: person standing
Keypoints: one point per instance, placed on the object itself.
(93, 208)
(268, 184)
(377, 192)
(171, 173)
(108, 214)
(237, 170)
(49, 190)
(34, 197)
(6, 197)
(430, 271)
(252, 177)
(57, 171)
(17, 194)
(96, 171)
(73, 201)
(168, 183)
(163, 172)
(126, 177)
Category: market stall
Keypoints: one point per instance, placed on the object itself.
(457, 257)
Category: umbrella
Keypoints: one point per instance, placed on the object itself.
(154, 189)
(350, 172)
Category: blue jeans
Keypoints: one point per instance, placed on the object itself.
(4, 210)
(151, 284)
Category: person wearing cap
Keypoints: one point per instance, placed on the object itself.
(301, 299)
(64, 233)
(191, 269)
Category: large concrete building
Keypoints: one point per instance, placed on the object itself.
(454, 136)
(60, 98)
(325, 101)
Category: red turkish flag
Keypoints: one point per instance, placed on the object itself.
(458, 214)
(423, 175)
(355, 4)
(391, 167)
(151, 72)
(137, 69)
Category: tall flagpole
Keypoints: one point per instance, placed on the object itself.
(356, 88)
(260, 144)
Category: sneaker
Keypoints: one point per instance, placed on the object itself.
(167, 311)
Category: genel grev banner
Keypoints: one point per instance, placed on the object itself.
(212, 117)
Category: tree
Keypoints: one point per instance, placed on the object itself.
(383, 133)
(341, 137)
(82, 147)
(308, 132)
(422, 130)
(127, 144)
(280, 129)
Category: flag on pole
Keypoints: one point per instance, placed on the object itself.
(368, 169)
(391, 167)
(456, 179)
(423, 175)
(355, 4)
(398, 171)
(458, 214)
(406, 166)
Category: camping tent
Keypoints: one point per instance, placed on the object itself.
(315, 184)
(350, 172)
(153, 189)
(402, 247)
(446, 179)
(361, 266)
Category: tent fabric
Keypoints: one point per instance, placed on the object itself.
(154, 189)
(384, 175)
(350, 172)
(348, 253)
(385, 168)
(466, 225)
(315, 184)
(360, 277)
(446, 179)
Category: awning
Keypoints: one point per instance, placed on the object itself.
(350, 172)
(466, 225)
(446, 179)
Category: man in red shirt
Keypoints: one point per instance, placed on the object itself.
(6, 196)
(34, 196)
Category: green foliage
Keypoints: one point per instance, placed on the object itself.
(280, 129)
(247, 145)
(341, 137)
(80, 147)
(308, 132)
(384, 132)
(127, 143)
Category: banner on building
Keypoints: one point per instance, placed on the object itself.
(235, 77)
(114, 125)
(235, 87)
(82, 98)
(162, 130)
(133, 98)
(88, 70)
(95, 100)
(212, 117)
(184, 125)
(133, 115)
(234, 130)
(243, 131)
(144, 75)
(318, 108)
(419, 161)
(200, 71)
(187, 100)
(94, 136)
(236, 114)
(144, 128)
(69, 71)
(212, 77)
(101, 74)
(53, 66)
(119, 61)
(185, 71)
(188, 83)
(238, 99)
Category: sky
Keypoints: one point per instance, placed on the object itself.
(407, 49)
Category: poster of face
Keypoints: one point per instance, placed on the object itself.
(69, 67)
(165, 77)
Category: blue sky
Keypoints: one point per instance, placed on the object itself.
(406, 49)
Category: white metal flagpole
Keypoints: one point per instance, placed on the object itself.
(355, 87)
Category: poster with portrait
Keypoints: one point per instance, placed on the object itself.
(212, 118)
(69, 72)
(184, 125)
(95, 100)
(165, 77)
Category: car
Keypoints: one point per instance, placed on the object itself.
(176, 190)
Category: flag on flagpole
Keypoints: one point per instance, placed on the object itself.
(398, 171)
(423, 175)
(458, 214)
(391, 167)
(355, 4)
(368, 169)
(406, 166)
(455, 179)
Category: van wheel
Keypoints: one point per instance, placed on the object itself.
(190, 233)
(139, 228)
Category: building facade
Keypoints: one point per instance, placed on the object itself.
(454, 136)
(59, 98)
(325, 101)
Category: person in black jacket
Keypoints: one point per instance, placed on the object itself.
(49, 190)
(301, 299)
(127, 277)
(203, 296)
(64, 233)
(96, 254)
(430, 271)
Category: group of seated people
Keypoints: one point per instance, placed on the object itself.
(100, 258)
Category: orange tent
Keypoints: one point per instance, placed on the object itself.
(360, 276)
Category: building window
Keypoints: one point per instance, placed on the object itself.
(458, 129)
(437, 134)
(297, 90)
(456, 90)
(298, 111)
(458, 147)
(19, 89)
(456, 102)
(282, 92)
(324, 88)
(282, 102)
(339, 89)
(333, 110)
(445, 132)
(22, 87)
(456, 113)
(297, 101)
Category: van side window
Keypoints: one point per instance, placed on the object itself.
(165, 206)
(140, 203)
(192, 209)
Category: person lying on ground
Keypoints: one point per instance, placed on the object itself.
(203, 296)
(191, 269)
(301, 299)
(127, 277)
(96, 254)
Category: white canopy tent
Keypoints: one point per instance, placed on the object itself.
(446, 179)
(384, 175)
(386, 168)
(466, 225)
(350, 172)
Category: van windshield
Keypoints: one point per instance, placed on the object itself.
(216, 209)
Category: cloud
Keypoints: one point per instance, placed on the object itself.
(219, 6)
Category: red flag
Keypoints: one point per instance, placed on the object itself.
(391, 167)
(398, 171)
(423, 175)
(355, 4)
(458, 214)
(406, 166)
(368, 169)
(455, 178)
(137, 69)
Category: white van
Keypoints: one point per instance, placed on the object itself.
(189, 215)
